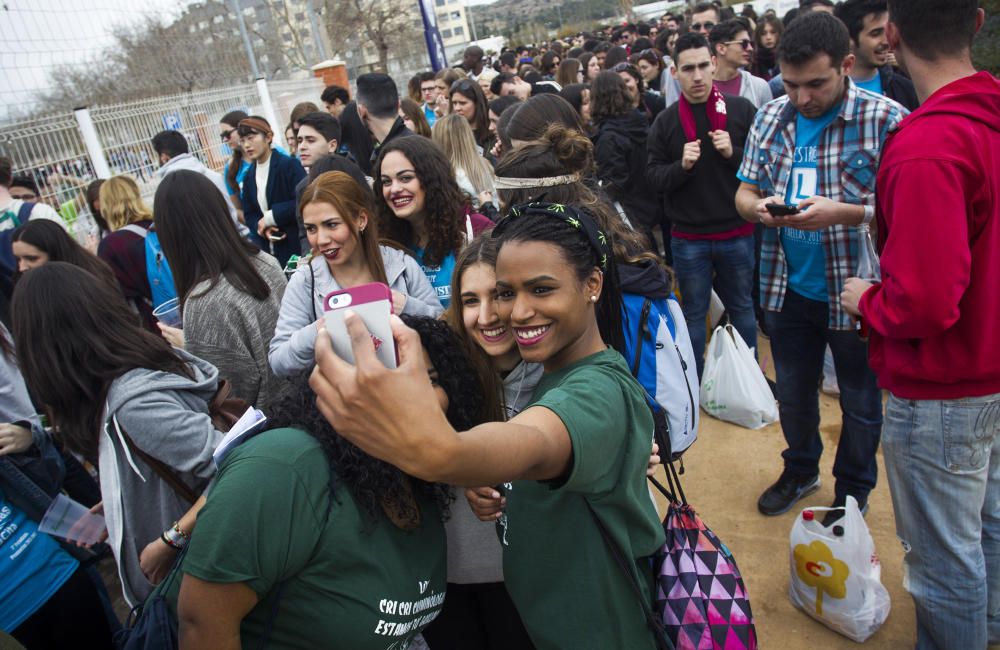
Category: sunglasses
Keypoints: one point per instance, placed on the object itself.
(462, 84)
(746, 43)
(624, 66)
(708, 25)
(225, 134)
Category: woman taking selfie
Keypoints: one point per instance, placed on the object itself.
(123, 398)
(229, 291)
(337, 213)
(575, 456)
(421, 208)
(268, 194)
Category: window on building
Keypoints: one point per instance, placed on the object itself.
(455, 15)
(445, 33)
(459, 31)
(439, 3)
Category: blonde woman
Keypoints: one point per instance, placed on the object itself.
(129, 219)
(472, 172)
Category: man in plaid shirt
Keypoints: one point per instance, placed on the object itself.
(816, 149)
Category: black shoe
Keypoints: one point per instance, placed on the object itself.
(789, 488)
(833, 516)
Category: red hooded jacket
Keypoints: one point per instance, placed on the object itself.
(935, 318)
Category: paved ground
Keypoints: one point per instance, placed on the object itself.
(726, 471)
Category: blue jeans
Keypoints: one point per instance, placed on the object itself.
(942, 459)
(799, 336)
(728, 264)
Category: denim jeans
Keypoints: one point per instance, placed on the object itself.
(942, 459)
(729, 265)
(799, 336)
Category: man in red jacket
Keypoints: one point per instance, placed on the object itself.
(934, 322)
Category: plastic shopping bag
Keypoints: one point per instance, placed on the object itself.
(733, 388)
(835, 573)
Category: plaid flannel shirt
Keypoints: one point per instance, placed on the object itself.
(846, 167)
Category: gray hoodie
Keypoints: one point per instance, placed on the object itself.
(293, 345)
(166, 416)
(189, 163)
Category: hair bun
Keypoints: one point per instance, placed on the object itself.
(573, 149)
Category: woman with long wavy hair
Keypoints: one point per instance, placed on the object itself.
(473, 174)
(421, 207)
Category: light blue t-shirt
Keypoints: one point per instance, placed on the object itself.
(440, 276)
(804, 252)
(33, 566)
(873, 85)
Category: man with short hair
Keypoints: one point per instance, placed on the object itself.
(511, 84)
(826, 6)
(704, 17)
(732, 49)
(378, 107)
(334, 99)
(816, 150)
(429, 95)
(174, 155)
(866, 23)
(601, 52)
(933, 322)
(695, 147)
(508, 62)
(472, 61)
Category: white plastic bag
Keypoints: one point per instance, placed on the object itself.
(836, 579)
(733, 388)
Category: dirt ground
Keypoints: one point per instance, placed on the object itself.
(726, 471)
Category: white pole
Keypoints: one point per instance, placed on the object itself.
(92, 142)
(272, 117)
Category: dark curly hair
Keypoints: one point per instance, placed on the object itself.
(609, 98)
(376, 485)
(444, 202)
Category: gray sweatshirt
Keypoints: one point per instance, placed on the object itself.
(474, 553)
(293, 345)
(231, 330)
(15, 404)
(166, 416)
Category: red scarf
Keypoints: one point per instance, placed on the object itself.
(715, 108)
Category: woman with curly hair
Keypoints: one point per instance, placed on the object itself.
(650, 65)
(343, 234)
(306, 540)
(649, 103)
(421, 207)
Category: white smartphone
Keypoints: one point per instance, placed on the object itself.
(373, 303)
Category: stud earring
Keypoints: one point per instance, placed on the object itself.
(593, 299)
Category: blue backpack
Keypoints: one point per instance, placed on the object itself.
(659, 353)
(158, 273)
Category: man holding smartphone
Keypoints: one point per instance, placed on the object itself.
(816, 149)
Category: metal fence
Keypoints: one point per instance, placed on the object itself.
(54, 149)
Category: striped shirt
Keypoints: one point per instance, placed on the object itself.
(847, 162)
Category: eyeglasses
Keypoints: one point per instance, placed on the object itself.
(428, 89)
(746, 43)
(225, 134)
(708, 25)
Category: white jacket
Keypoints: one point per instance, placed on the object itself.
(189, 163)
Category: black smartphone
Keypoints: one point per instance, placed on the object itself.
(781, 210)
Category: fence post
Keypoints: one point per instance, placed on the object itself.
(271, 116)
(92, 142)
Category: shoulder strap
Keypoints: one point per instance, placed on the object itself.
(640, 336)
(469, 236)
(655, 626)
(24, 212)
(136, 230)
(164, 472)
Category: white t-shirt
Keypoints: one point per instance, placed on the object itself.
(40, 211)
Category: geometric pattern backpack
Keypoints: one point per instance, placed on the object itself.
(700, 598)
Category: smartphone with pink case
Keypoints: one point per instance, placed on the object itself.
(373, 303)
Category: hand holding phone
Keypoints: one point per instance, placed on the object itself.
(781, 210)
(373, 304)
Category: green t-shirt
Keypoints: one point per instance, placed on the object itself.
(564, 581)
(349, 583)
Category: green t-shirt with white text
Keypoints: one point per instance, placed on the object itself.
(350, 582)
(558, 569)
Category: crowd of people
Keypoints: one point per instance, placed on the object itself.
(520, 209)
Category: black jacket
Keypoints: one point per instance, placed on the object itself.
(620, 151)
(284, 174)
(702, 200)
(897, 87)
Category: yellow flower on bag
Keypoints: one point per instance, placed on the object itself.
(816, 566)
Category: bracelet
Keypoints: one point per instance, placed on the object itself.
(170, 542)
(177, 529)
